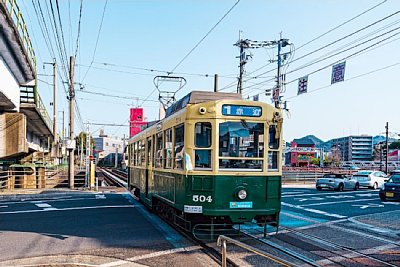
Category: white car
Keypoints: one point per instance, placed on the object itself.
(371, 179)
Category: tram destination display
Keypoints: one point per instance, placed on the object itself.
(238, 110)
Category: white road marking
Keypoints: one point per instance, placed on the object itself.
(338, 202)
(311, 198)
(314, 211)
(366, 195)
(150, 255)
(369, 205)
(3, 206)
(340, 196)
(65, 209)
(100, 196)
(332, 193)
(43, 205)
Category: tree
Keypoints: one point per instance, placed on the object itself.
(395, 145)
(81, 139)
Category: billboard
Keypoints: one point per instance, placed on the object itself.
(136, 121)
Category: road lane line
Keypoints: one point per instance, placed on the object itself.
(332, 193)
(314, 210)
(3, 206)
(150, 255)
(43, 205)
(66, 209)
(338, 202)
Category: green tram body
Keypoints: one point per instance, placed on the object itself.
(211, 194)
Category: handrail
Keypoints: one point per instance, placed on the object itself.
(222, 240)
(15, 15)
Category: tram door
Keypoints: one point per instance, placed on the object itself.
(148, 164)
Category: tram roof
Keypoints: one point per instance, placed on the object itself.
(196, 97)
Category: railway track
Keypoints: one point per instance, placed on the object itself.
(339, 255)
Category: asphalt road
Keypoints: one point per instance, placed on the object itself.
(309, 205)
(108, 225)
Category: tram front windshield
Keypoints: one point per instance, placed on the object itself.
(241, 145)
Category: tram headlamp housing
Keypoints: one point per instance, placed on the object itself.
(202, 110)
(242, 194)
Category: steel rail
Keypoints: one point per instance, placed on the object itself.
(222, 241)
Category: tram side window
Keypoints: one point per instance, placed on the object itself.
(178, 146)
(135, 154)
(273, 138)
(273, 143)
(142, 153)
(203, 141)
(168, 148)
(159, 147)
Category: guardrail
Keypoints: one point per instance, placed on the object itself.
(223, 240)
(33, 178)
(15, 15)
(30, 95)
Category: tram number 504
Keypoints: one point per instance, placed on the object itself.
(202, 198)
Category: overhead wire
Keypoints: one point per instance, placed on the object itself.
(337, 53)
(314, 39)
(97, 40)
(205, 36)
(79, 28)
(342, 24)
(349, 79)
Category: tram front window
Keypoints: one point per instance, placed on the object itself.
(241, 145)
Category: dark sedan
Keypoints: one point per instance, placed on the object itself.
(391, 189)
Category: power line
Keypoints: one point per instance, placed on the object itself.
(117, 96)
(351, 78)
(79, 29)
(345, 50)
(342, 24)
(97, 40)
(336, 27)
(205, 36)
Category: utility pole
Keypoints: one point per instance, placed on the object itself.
(387, 147)
(55, 102)
(87, 157)
(71, 172)
(215, 83)
(244, 44)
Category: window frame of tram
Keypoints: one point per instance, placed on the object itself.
(273, 148)
(203, 143)
(246, 150)
(158, 153)
(179, 131)
(168, 149)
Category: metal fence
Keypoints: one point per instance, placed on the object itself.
(34, 178)
(306, 175)
(14, 13)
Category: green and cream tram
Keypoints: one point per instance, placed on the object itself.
(214, 158)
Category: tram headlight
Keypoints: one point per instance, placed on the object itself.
(242, 194)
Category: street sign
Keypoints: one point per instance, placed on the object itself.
(302, 88)
(255, 98)
(338, 72)
(275, 94)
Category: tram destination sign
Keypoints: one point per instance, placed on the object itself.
(238, 110)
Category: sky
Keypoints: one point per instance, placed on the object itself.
(140, 39)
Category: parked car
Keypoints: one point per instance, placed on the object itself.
(337, 182)
(371, 179)
(391, 189)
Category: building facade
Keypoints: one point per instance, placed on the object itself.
(301, 152)
(106, 145)
(354, 147)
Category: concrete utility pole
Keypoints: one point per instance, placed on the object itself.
(71, 172)
(244, 44)
(55, 102)
(387, 147)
